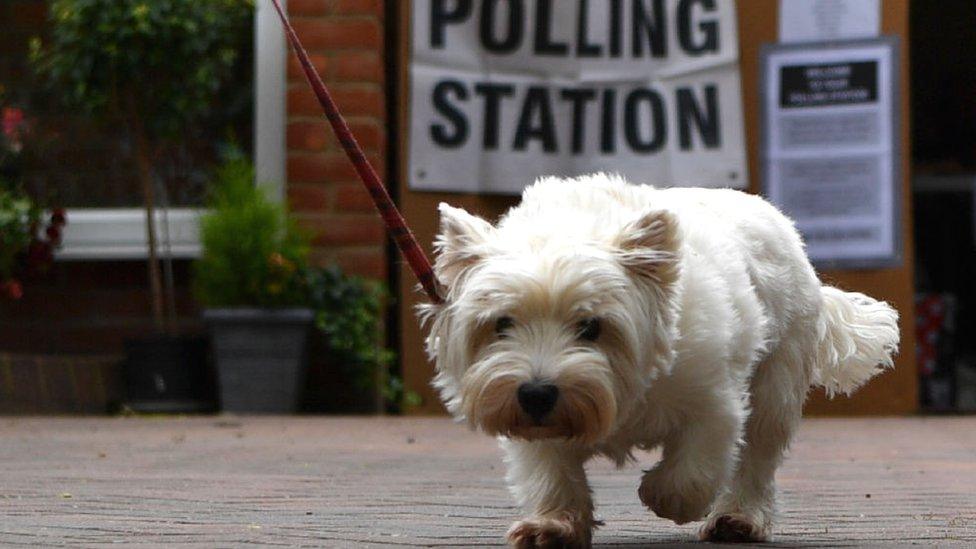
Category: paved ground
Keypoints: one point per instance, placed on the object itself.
(328, 482)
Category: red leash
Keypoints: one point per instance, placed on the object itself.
(395, 224)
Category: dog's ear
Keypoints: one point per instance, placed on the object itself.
(648, 246)
(460, 243)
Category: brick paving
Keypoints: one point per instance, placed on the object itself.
(380, 482)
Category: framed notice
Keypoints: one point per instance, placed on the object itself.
(831, 140)
(505, 91)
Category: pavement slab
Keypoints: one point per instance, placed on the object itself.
(228, 481)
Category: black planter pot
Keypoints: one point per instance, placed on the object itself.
(168, 374)
(260, 357)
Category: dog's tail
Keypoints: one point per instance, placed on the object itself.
(857, 337)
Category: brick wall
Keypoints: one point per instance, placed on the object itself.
(345, 40)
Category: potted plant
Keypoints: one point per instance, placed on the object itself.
(156, 70)
(252, 279)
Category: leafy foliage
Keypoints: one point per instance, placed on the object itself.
(164, 58)
(25, 250)
(348, 310)
(18, 215)
(254, 254)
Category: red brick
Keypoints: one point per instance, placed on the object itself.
(368, 134)
(358, 7)
(357, 101)
(295, 72)
(308, 136)
(354, 66)
(308, 198)
(346, 230)
(352, 197)
(360, 101)
(336, 34)
(321, 168)
(308, 7)
(369, 263)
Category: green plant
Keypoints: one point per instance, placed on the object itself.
(158, 65)
(23, 250)
(254, 253)
(348, 311)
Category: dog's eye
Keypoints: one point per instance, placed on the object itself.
(503, 324)
(589, 329)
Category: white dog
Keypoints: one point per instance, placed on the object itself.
(598, 317)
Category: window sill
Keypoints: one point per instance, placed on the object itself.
(105, 234)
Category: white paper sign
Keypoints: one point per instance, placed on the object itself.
(830, 134)
(503, 92)
(826, 20)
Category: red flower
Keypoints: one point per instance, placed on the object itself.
(12, 289)
(53, 233)
(58, 217)
(12, 120)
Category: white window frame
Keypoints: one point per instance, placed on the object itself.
(120, 233)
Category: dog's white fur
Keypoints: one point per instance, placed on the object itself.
(714, 326)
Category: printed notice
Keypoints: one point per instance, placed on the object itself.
(827, 20)
(503, 92)
(830, 136)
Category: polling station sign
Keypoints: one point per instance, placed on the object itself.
(505, 91)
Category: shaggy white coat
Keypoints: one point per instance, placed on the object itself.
(714, 326)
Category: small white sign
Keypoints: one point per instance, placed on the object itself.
(830, 145)
(503, 92)
(828, 20)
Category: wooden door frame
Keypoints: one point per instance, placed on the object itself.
(895, 392)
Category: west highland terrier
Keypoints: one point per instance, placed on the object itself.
(598, 317)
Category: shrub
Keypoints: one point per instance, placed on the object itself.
(254, 254)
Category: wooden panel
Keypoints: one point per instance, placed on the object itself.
(893, 393)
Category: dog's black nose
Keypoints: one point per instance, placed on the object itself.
(537, 399)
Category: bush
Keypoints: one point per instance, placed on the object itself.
(348, 310)
(254, 254)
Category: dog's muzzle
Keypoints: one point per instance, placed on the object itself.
(537, 399)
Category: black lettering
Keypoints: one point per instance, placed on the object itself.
(690, 111)
(513, 37)
(708, 28)
(583, 47)
(650, 27)
(632, 121)
(493, 94)
(616, 28)
(438, 132)
(440, 16)
(536, 100)
(543, 27)
(579, 97)
(608, 130)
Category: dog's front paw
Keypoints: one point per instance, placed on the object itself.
(551, 532)
(734, 528)
(676, 496)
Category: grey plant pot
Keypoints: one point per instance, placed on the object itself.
(260, 357)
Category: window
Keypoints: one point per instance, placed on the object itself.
(88, 166)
